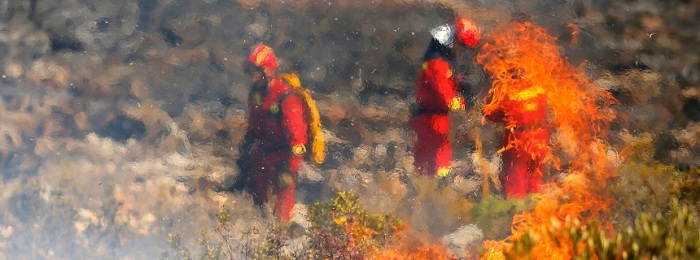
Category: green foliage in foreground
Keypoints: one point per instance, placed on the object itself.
(494, 214)
(343, 229)
(674, 235)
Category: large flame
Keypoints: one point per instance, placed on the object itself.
(524, 60)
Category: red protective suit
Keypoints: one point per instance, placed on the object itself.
(278, 131)
(525, 141)
(436, 95)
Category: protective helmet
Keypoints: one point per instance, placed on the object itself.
(443, 34)
(467, 32)
(263, 57)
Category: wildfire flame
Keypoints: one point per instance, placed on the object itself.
(524, 60)
(411, 245)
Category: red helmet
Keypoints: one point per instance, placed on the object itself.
(263, 57)
(467, 32)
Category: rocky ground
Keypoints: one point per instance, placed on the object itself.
(120, 120)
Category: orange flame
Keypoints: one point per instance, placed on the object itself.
(524, 60)
(409, 244)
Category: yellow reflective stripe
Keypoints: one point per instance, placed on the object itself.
(529, 93)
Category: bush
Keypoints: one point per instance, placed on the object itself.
(674, 235)
(343, 229)
(494, 214)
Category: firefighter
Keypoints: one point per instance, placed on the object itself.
(525, 142)
(437, 93)
(274, 145)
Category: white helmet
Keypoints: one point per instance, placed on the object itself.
(444, 34)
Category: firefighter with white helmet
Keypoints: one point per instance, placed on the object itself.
(437, 94)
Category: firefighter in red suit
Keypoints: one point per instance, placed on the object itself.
(521, 106)
(437, 94)
(525, 141)
(274, 144)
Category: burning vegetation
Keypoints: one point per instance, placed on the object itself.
(572, 216)
(528, 72)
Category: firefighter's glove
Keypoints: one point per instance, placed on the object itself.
(298, 150)
(285, 180)
(297, 158)
(456, 103)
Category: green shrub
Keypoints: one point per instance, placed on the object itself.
(674, 235)
(494, 214)
(343, 229)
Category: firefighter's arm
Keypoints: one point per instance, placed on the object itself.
(296, 130)
(442, 75)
